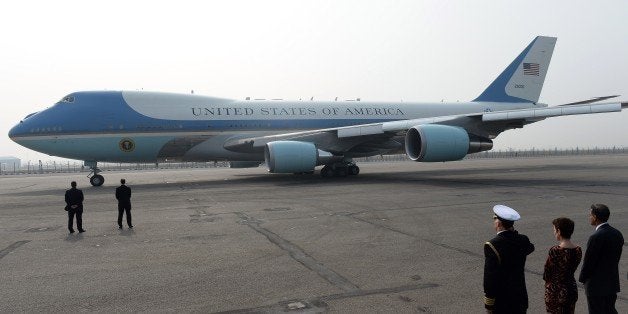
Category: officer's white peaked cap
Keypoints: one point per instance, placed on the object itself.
(506, 213)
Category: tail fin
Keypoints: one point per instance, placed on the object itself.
(523, 79)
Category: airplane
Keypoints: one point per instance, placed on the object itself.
(292, 136)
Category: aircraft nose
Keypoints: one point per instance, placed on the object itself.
(24, 127)
(12, 132)
(16, 131)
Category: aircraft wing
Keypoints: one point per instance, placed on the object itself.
(543, 113)
(380, 136)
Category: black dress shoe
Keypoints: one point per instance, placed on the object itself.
(130, 227)
(119, 227)
(71, 231)
(82, 230)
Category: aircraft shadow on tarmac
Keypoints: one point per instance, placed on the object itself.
(488, 176)
(526, 176)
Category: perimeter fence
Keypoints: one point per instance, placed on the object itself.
(47, 167)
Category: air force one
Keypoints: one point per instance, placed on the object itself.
(292, 136)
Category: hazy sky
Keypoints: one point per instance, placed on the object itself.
(376, 50)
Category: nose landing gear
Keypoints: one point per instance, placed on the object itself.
(94, 178)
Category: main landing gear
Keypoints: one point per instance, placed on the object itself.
(94, 178)
(340, 169)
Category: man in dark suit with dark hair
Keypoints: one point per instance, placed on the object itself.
(123, 195)
(74, 206)
(504, 263)
(600, 268)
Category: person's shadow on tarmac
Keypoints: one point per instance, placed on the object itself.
(71, 237)
(127, 232)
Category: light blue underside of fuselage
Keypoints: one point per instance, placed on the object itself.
(145, 148)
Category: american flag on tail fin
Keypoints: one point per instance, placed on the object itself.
(531, 69)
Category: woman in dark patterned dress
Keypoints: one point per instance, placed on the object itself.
(561, 292)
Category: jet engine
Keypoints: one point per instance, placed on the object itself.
(434, 142)
(295, 157)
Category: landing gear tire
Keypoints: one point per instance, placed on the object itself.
(327, 172)
(94, 178)
(341, 172)
(97, 180)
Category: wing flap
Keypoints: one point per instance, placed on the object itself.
(360, 130)
(550, 112)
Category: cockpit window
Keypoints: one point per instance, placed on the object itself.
(68, 99)
(29, 115)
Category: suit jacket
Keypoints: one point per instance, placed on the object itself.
(123, 194)
(74, 196)
(504, 279)
(600, 273)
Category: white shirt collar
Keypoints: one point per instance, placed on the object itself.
(598, 226)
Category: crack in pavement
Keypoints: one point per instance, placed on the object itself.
(319, 304)
(300, 256)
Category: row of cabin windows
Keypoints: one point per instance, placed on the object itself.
(52, 129)
(121, 127)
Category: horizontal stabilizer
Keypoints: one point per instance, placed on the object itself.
(592, 100)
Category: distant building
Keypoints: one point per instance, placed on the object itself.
(10, 163)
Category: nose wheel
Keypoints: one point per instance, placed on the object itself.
(97, 180)
(94, 178)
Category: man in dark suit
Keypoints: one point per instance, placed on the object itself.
(123, 195)
(600, 268)
(74, 206)
(505, 258)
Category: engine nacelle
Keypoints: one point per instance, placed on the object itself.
(434, 142)
(294, 156)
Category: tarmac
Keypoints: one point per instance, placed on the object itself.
(401, 237)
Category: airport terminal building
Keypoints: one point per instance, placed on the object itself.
(10, 163)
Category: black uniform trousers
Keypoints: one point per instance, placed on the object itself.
(79, 219)
(122, 208)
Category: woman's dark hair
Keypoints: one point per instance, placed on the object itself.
(565, 226)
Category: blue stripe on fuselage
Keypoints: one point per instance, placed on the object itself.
(108, 112)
